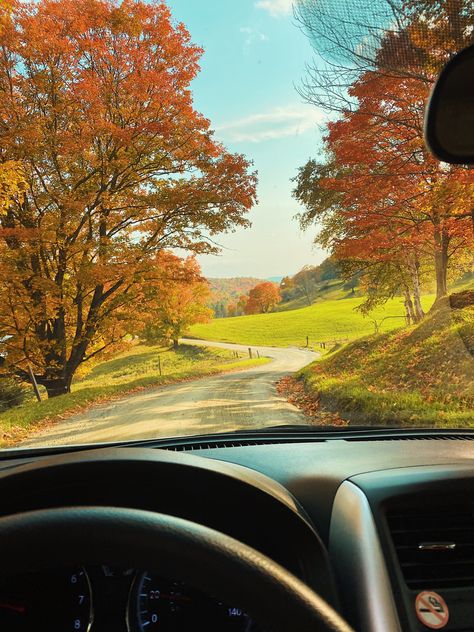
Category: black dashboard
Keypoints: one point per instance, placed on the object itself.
(381, 526)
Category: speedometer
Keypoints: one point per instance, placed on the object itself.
(159, 605)
(57, 601)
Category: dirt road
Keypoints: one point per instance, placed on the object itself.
(245, 399)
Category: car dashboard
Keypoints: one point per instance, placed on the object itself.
(381, 525)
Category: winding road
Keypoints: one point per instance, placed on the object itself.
(222, 403)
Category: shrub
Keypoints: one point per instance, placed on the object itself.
(12, 393)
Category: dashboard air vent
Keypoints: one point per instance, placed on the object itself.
(228, 443)
(435, 548)
(416, 436)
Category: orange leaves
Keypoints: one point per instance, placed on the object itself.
(118, 167)
(384, 203)
(175, 295)
(262, 298)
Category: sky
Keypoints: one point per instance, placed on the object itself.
(254, 57)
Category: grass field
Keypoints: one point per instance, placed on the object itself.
(421, 375)
(135, 369)
(325, 291)
(324, 321)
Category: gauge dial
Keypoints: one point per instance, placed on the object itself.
(172, 606)
(53, 601)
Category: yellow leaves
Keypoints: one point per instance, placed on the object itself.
(6, 7)
(12, 183)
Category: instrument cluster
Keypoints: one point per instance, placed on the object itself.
(104, 598)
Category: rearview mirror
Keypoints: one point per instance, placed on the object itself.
(449, 123)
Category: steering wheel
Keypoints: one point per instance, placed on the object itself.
(212, 561)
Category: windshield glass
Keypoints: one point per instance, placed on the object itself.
(222, 216)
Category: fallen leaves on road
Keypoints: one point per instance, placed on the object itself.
(295, 393)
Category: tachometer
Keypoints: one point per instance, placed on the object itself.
(54, 601)
(172, 606)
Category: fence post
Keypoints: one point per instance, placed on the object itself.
(250, 353)
(34, 383)
(307, 341)
(159, 365)
(258, 354)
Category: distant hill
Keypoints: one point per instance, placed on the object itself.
(229, 290)
(313, 284)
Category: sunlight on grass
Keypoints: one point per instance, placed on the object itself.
(421, 375)
(325, 321)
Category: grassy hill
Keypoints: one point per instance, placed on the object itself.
(419, 375)
(324, 321)
(325, 291)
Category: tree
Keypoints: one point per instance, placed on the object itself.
(262, 298)
(96, 104)
(381, 196)
(175, 300)
(391, 38)
(382, 201)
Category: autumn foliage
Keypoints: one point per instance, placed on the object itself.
(176, 297)
(117, 166)
(262, 298)
(385, 207)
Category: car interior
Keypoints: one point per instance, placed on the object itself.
(283, 529)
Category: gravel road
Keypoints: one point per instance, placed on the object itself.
(244, 399)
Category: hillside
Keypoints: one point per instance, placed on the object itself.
(419, 375)
(228, 290)
(333, 289)
(324, 321)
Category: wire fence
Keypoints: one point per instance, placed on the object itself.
(343, 336)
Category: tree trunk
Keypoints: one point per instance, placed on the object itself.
(415, 275)
(175, 343)
(57, 386)
(410, 314)
(441, 263)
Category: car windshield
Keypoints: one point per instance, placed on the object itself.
(222, 216)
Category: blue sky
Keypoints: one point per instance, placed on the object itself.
(254, 56)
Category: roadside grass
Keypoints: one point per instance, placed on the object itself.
(324, 321)
(421, 375)
(135, 369)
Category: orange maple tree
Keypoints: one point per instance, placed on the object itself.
(176, 296)
(384, 205)
(398, 201)
(96, 104)
(262, 298)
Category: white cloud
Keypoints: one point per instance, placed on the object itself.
(280, 122)
(275, 8)
(252, 35)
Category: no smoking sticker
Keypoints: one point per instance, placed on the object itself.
(431, 610)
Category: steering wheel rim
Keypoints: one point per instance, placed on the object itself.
(200, 556)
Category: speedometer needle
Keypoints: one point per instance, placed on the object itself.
(13, 607)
